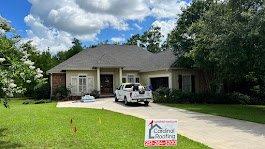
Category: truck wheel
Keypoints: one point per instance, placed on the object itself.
(125, 101)
(116, 99)
(146, 103)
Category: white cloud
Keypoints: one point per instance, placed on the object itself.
(118, 39)
(166, 8)
(165, 26)
(44, 37)
(54, 23)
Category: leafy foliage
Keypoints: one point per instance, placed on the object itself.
(17, 71)
(226, 40)
(76, 48)
(165, 95)
(62, 92)
(95, 93)
(150, 40)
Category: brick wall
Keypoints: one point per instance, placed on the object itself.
(58, 79)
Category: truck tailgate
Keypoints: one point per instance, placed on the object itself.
(145, 95)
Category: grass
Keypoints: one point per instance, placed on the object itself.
(45, 126)
(251, 113)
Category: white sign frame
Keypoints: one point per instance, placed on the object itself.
(160, 132)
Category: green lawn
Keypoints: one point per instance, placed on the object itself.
(243, 112)
(45, 126)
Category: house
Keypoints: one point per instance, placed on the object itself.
(105, 67)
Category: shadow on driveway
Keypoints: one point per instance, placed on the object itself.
(133, 104)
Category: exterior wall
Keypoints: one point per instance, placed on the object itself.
(75, 73)
(196, 73)
(145, 77)
(173, 78)
(125, 73)
(57, 79)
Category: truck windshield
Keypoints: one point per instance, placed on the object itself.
(131, 85)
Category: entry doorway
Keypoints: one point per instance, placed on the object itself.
(159, 82)
(106, 84)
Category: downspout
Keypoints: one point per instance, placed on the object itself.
(51, 86)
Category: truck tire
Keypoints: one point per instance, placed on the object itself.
(146, 103)
(126, 101)
(116, 99)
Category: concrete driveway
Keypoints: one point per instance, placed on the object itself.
(214, 131)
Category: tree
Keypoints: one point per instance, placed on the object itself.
(16, 69)
(181, 39)
(228, 43)
(43, 60)
(150, 40)
(76, 48)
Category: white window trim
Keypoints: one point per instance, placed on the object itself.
(79, 84)
(190, 90)
(128, 78)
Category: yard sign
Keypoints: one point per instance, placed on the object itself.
(160, 132)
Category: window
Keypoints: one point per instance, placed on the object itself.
(186, 83)
(130, 78)
(137, 80)
(82, 84)
(123, 79)
(129, 86)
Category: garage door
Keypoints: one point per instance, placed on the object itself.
(159, 82)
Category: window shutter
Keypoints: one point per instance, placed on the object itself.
(180, 82)
(192, 83)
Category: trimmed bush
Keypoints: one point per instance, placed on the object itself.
(165, 95)
(42, 101)
(61, 92)
(42, 92)
(240, 98)
(95, 93)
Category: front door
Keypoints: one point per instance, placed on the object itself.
(106, 84)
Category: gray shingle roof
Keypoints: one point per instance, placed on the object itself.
(129, 57)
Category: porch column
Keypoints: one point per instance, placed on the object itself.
(98, 79)
(120, 74)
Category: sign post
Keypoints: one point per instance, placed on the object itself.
(160, 132)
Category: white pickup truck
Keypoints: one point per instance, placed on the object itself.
(133, 92)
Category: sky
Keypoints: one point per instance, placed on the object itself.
(54, 23)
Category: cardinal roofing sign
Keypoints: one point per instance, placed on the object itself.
(160, 132)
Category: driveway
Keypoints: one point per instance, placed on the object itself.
(214, 131)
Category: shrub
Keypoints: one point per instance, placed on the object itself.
(95, 93)
(240, 98)
(162, 95)
(165, 95)
(42, 92)
(29, 101)
(61, 92)
(42, 101)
